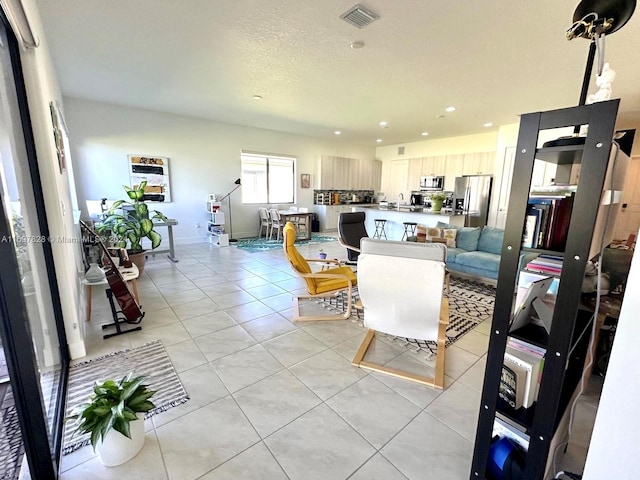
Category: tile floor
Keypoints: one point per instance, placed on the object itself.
(271, 399)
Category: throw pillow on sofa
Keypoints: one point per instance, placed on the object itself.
(433, 232)
(467, 238)
(449, 234)
(491, 240)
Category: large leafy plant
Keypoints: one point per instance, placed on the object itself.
(133, 224)
(113, 405)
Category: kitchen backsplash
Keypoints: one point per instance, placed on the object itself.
(329, 197)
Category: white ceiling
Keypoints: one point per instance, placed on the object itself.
(207, 58)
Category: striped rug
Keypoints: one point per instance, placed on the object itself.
(150, 360)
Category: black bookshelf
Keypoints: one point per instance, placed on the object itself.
(567, 341)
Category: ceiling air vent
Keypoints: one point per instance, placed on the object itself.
(359, 16)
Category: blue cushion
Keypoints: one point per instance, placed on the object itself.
(452, 253)
(483, 260)
(491, 240)
(467, 238)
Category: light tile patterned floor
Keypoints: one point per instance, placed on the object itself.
(274, 400)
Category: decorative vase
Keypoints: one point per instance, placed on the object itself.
(116, 449)
(95, 273)
(139, 259)
(436, 205)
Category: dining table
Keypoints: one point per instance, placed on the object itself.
(299, 218)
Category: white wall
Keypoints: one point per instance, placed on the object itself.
(613, 452)
(204, 157)
(42, 88)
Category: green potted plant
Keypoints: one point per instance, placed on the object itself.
(437, 199)
(114, 418)
(132, 224)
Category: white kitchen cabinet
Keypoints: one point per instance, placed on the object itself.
(480, 163)
(434, 165)
(376, 175)
(326, 172)
(328, 216)
(453, 169)
(415, 172)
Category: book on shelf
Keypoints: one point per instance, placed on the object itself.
(531, 229)
(531, 362)
(547, 222)
(512, 383)
(546, 264)
(503, 427)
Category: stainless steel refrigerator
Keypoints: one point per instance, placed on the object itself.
(471, 199)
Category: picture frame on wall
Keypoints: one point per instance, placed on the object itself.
(59, 133)
(155, 170)
(305, 180)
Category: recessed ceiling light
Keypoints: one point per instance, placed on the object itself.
(488, 124)
(379, 140)
(450, 109)
(383, 124)
(357, 44)
(424, 134)
(337, 132)
(257, 97)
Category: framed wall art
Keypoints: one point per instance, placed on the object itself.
(155, 170)
(305, 180)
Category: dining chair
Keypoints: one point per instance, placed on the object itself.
(301, 223)
(401, 286)
(276, 223)
(322, 284)
(351, 231)
(265, 221)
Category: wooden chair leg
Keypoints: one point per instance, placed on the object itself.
(436, 381)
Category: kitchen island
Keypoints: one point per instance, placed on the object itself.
(394, 217)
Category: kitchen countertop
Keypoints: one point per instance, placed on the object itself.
(409, 209)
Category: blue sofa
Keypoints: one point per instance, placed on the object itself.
(477, 251)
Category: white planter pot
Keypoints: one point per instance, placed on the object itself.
(116, 449)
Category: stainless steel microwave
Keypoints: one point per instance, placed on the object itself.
(432, 183)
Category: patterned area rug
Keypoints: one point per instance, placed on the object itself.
(470, 303)
(150, 360)
(261, 244)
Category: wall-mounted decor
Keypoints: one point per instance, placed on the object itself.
(155, 170)
(305, 180)
(59, 132)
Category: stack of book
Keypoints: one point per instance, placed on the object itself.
(549, 264)
(547, 222)
(521, 373)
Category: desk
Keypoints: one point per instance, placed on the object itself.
(169, 224)
(129, 274)
(288, 216)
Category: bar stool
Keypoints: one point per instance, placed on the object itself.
(409, 229)
(379, 233)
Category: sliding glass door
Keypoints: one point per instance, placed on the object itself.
(33, 373)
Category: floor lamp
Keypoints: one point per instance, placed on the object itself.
(237, 183)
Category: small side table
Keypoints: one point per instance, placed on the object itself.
(129, 274)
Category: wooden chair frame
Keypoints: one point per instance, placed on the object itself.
(436, 381)
(297, 317)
